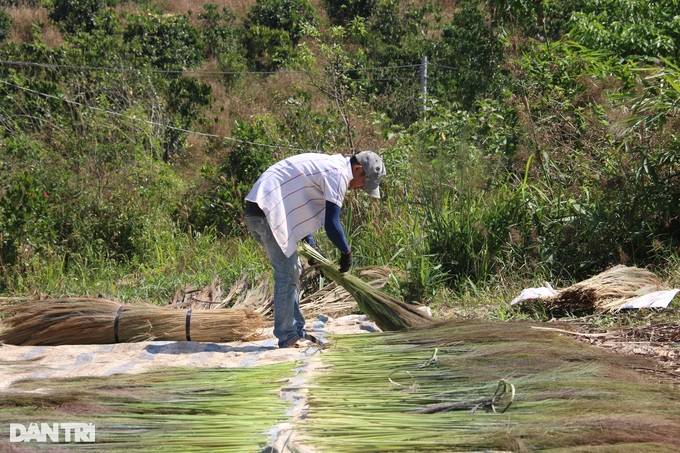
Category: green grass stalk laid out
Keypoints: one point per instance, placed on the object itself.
(430, 389)
(174, 410)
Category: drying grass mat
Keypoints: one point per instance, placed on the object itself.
(608, 291)
(174, 410)
(101, 321)
(388, 312)
(480, 386)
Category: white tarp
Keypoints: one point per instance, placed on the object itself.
(656, 299)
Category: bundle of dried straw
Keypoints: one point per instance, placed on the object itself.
(607, 291)
(388, 312)
(101, 321)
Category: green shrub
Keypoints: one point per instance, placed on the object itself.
(607, 24)
(273, 29)
(307, 129)
(185, 96)
(469, 57)
(393, 23)
(27, 216)
(545, 19)
(223, 41)
(268, 49)
(5, 25)
(166, 41)
(75, 16)
(218, 204)
(393, 42)
(220, 34)
(287, 15)
(342, 12)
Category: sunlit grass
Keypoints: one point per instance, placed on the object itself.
(568, 394)
(176, 409)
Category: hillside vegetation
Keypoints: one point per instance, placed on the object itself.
(525, 141)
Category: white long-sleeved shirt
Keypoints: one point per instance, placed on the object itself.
(293, 194)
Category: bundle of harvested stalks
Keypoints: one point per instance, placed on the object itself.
(608, 291)
(332, 299)
(100, 321)
(389, 313)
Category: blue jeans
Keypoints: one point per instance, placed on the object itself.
(288, 320)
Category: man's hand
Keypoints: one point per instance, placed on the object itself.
(345, 261)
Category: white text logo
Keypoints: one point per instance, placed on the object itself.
(55, 432)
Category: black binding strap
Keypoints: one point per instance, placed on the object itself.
(188, 323)
(115, 323)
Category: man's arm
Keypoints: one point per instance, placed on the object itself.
(309, 239)
(334, 229)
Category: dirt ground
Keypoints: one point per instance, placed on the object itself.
(658, 339)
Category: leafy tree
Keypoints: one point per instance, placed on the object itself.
(185, 96)
(268, 49)
(273, 29)
(82, 15)
(542, 19)
(220, 33)
(471, 55)
(167, 41)
(26, 220)
(223, 40)
(393, 45)
(630, 28)
(308, 129)
(342, 12)
(287, 15)
(218, 204)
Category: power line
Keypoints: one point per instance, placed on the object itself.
(153, 123)
(188, 71)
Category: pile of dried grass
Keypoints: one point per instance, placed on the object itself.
(608, 291)
(101, 321)
(256, 296)
(388, 312)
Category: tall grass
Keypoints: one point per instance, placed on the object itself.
(179, 262)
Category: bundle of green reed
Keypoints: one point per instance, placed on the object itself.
(607, 291)
(332, 299)
(101, 321)
(174, 409)
(421, 390)
(388, 312)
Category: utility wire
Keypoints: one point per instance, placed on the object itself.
(153, 123)
(160, 71)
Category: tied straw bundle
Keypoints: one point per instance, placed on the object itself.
(100, 321)
(607, 291)
(389, 313)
